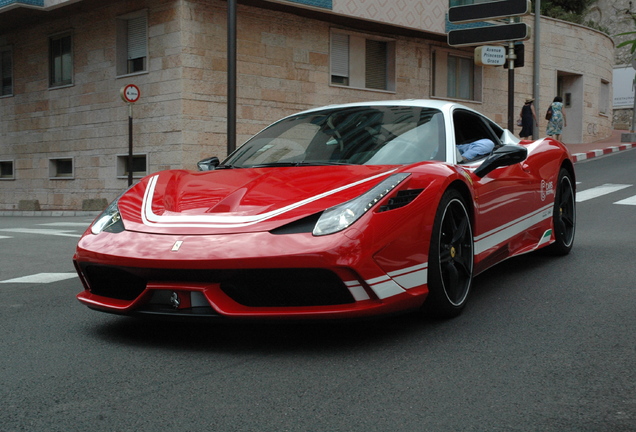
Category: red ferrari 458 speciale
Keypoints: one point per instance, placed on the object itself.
(344, 211)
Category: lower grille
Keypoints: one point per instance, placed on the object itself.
(252, 288)
(287, 288)
(114, 282)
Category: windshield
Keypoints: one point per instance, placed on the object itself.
(370, 135)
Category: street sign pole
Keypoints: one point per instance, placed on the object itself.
(511, 85)
(505, 34)
(130, 144)
(130, 94)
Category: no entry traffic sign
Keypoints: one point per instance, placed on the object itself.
(130, 93)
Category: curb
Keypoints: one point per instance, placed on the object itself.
(578, 157)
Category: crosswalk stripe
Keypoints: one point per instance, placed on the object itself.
(41, 278)
(598, 191)
(627, 201)
(67, 224)
(64, 233)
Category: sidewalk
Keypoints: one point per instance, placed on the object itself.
(608, 145)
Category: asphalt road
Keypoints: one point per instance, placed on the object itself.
(545, 344)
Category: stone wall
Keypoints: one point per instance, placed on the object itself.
(616, 16)
(571, 51)
(87, 121)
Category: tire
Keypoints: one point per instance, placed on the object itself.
(450, 262)
(563, 215)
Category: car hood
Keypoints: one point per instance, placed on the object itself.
(241, 200)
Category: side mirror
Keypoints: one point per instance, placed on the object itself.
(503, 156)
(208, 164)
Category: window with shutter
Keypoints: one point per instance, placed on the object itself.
(340, 59)
(360, 61)
(375, 68)
(132, 43)
(136, 44)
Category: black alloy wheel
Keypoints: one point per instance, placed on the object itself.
(564, 215)
(450, 265)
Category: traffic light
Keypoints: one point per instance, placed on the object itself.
(520, 51)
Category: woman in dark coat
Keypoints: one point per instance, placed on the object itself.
(528, 119)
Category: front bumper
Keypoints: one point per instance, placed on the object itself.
(277, 277)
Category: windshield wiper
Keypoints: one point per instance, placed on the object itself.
(274, 164)
(297, 164)
(225, 167)
(327, 163)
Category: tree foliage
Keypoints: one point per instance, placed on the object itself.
(573, 11)
(629, 43)
(565, 7)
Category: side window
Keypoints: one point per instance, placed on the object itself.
(498, 131)
(60, 60)
(604, 98)
(132, 43)
(469, 129)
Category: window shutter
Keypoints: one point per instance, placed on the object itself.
(340, 55)
(375, 67)
(137, 38)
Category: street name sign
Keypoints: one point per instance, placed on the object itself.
(489, 34)
(487, 55)
(488, 11)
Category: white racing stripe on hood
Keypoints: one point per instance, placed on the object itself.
(172, 219)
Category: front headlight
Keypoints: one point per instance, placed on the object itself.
(109, 220)
(341, 216)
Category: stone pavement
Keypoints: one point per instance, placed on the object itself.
(602, 147)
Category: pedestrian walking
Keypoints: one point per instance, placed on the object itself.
(556, 118)
(528, 118)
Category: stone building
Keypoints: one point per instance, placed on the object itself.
(618, 17)
(64, 126)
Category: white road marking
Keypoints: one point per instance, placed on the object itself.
(627, 201)
(5, 237)
(41, 278)
(68, 224)
(64, 233)
(598, 191)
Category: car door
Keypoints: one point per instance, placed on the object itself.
(506, 205)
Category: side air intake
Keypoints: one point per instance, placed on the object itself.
(401, 199)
